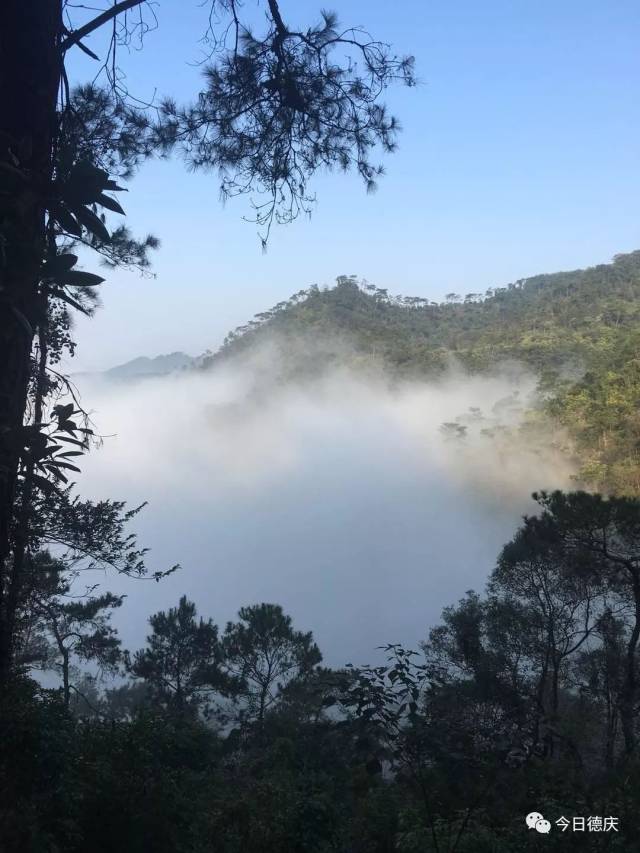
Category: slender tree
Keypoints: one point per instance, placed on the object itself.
(263, 653)
(601, 538)
(77, 626)
(561, 611)
(181, 663)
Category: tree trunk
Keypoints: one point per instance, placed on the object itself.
(555, 704)
(30, 72)
(611, 730)
(66, 689)
(630, 686)
(263, 705)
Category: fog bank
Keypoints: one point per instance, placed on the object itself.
(343, 498)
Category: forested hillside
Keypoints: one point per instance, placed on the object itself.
(578, 331)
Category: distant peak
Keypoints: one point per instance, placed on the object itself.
(160, 365)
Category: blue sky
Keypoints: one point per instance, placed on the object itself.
(519, 155)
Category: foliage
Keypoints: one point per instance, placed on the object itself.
(577, 331)
(182, 662)
(511, 705)
(76, 626)
(282, 105)
(264, 653)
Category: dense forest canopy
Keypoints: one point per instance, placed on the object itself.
(521, 700)
(578, 332)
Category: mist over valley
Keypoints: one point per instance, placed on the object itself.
(362, 502)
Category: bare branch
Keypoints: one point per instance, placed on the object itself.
(117, 9)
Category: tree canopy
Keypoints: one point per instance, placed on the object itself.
(577, 332)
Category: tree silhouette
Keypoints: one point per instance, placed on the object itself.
(77, 626)
(263, 652)
(181, 663)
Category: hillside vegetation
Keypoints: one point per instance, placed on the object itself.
(579, 331)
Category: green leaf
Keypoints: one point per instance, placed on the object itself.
(86, 50)
(64, 465)
(63, 412)
(57, 474)
(75, 441)
(84, 169)
(65, 220)
(43, 484)
(84, 184)
(51, 449)
(92, 223)
(78, 278)
(110, 203)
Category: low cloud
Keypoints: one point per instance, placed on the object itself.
(361, 505)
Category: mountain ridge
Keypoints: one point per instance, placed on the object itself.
(146, 367)
(578, 331)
